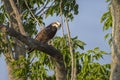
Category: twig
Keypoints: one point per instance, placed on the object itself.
(61, 17)
(18, 17)
(32, 13)
(43, 8)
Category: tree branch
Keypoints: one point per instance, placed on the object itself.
(73, 58)
(13, 12)
(42, 8)
(32, 13)
(61, 18)
(50, 50)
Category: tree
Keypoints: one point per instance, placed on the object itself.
(112, 21)
(19, 17)
(22, 13)
(115, 11)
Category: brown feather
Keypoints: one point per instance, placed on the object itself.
(45, 35)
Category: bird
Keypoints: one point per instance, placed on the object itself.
(46, 34)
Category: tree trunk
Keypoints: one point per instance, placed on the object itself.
(115, 66)
(19, 49)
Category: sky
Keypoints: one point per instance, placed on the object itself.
(86, 25)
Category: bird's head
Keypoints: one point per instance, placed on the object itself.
(56, 24)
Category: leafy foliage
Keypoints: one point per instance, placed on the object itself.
(107, 20)
(69, 8)
(61, 43)
(37, 65)
(90, 69)
(32, 14)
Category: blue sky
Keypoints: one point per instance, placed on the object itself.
(86, 25)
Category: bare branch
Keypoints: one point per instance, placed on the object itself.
(73, 59)
(32, 13)
(61, 17)
(43, 7)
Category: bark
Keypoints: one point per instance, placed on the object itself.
(57, 56)
(14, 14)
(115, 66)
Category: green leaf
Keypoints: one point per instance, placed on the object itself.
(76, 9)
(104, 16)
(110, 41)
(108, 0)
(96, 49)
(106, 36)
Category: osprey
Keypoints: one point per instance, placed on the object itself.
(47, 33)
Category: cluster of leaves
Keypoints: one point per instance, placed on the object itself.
(87, 66)
(33, 10)
(61, 43)
(68, 8)
(3, 45)
(37, 65)
(107, 20)
(90, 68)
(34, 68)
(3, 37)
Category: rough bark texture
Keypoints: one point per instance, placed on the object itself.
(115, 70)
(57, 56)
